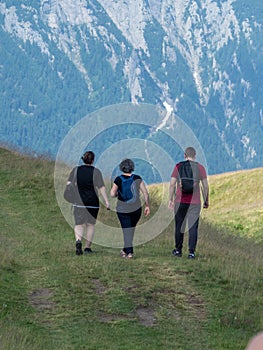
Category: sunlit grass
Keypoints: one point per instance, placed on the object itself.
(236, 203)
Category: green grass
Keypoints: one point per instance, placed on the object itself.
(237, 203)
(52, 299)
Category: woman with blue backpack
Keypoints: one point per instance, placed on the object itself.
(127, 188)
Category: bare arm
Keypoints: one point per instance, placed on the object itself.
(146, 198)
(105, 197)
(205, 192)
(114, 191)
(172, 189)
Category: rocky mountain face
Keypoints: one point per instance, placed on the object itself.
(202, 59)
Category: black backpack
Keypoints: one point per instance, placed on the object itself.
(188, 176)
(128, 191)
(71, 192)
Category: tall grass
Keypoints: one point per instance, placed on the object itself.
(50, 298)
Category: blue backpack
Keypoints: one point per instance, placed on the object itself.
(128, 191)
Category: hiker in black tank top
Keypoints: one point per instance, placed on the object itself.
(89, 181)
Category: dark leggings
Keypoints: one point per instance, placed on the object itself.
(128, 223)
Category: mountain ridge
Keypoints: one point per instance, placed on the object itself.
(201, 58)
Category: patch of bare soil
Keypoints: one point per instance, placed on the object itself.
(146, 316)
(40, 298)
(99, 287)
(197, 305)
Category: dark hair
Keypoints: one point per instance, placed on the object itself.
(127, 166)
(190, 152)
(88, 157)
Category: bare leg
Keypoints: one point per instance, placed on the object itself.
(90, 230)
(78, 230)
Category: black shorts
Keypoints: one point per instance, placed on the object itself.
(85, 215)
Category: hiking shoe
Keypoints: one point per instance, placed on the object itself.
(177, 253)
(87, 251)
(79, 250)
(191, 256)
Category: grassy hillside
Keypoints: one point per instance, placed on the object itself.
(52, 299)
(237, 203)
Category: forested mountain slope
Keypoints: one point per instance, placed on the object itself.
(61, 60)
